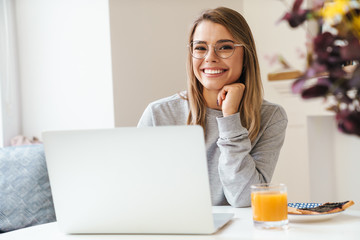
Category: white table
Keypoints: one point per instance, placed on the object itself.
(345, 226)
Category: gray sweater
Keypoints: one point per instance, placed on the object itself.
(234, 163)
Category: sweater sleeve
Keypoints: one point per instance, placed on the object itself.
(240, 165)
(146, 119)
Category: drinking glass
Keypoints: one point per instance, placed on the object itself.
(269, 205)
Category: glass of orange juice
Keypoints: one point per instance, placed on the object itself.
(269, 205)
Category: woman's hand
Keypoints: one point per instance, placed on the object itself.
(229, 98)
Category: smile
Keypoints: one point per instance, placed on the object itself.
(213, 71)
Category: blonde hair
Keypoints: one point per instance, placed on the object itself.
(252, 99)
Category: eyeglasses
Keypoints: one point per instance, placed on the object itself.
(223, 49)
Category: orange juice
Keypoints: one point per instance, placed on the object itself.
(269, 206)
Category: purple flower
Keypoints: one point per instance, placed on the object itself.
(328, 53)
(315, 91)
(354, 82)
(297, 86)
(313, 71)
(297, 16)
(326, 58)
(351, 51)
(348, 121)
(325, 49)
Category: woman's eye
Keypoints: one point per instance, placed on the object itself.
(200, 48)
(226, 47)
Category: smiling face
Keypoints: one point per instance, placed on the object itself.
(212, 71)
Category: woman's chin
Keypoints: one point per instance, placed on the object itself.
(212, 85)
(215, 84)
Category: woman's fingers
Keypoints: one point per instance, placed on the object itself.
(221, 96)
(229, 98)
(236, 89)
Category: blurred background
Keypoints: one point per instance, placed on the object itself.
(87, 64)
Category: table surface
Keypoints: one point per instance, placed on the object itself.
(343, 226)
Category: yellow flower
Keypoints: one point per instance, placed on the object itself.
(333, 11)
(356, 25)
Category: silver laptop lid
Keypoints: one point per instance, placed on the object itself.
(130, 180)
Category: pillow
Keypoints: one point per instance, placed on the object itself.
(25, 194)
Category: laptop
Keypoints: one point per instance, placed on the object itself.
(129, 180)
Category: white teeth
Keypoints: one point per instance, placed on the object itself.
(213, 71)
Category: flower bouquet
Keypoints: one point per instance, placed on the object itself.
(332, 58)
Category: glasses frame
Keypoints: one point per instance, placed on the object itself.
(208, 47)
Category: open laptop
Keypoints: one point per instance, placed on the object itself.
(131, 180)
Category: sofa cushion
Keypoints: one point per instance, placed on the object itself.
(25, 194)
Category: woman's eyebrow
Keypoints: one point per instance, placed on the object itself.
(224, 40)
(219, 41)
(198, 41)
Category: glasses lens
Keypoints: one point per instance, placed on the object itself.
(224, 49)
(198, 50)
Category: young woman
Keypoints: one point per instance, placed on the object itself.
(243, 132)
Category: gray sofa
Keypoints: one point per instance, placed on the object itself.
(25, 194)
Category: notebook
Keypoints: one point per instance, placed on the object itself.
(129, 180)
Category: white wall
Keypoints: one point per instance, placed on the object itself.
(334, 161)
(347, 165)
(321, 132)
(10, 114)
(65, 64)
(149, 50)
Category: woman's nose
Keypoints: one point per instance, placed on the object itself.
(211, 55)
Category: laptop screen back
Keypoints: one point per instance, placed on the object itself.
(130, 180)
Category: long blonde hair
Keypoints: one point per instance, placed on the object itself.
(250, 105)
